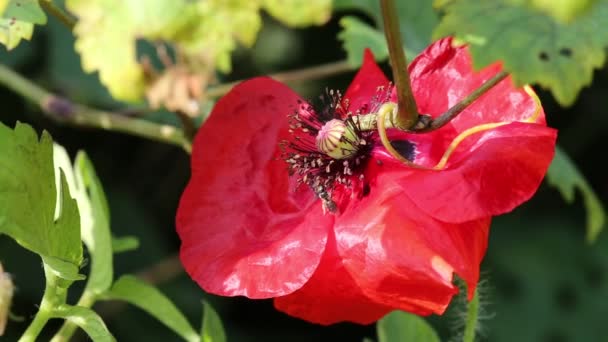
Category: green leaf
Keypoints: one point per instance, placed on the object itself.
(399, 326)
(148, 298)
(565, 176)
(534, 46)
(28, 203)
(356, 36)
(124, 244)
(86, 319)
(212, 329)
(18, 19)
(417, 20)
(299, 13)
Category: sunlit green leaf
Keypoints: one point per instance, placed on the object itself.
(148, 298)
(533, 45)
(27, 205)
(298, 13)
(399, 326)
(17, 20)
(212, 329)
(86, 319)
(565, 176)
(204, 32)
(416, 19)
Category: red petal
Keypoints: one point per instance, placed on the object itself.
(403, 258)
(245, 230)
(366, 83)
(331, 295)
(490, 173)
(442, 75)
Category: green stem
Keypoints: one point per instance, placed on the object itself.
(63, 110)
(446, 117)
(407, 109)
(69, 328)
(306, 74)
(58, 13)
(54, 296)
(471, 322)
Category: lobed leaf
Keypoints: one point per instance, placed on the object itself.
(17, 19)
(565, 176)
(532, 40)
(29, 199)
(356, 36)
(148, 298)
(399, 326)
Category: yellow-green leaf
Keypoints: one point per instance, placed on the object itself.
(18, 19)
(298, 13)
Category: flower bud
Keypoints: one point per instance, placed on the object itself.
(6, 294)
(337, 140)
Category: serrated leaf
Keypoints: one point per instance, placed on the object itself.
(28, 201)
(148, 298)
(124, 244)
(357, 36)
(399, 326)
(565, 176)
(298, 13)
(87, 320)
(534, 46)
(212, 329)
(18, 19)
(416, 23)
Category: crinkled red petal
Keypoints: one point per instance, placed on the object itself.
(244, 227)
(403, 258)
(490, 173)
(366, 84)
(442, 75)
(331, 295)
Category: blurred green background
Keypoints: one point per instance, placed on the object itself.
(541, 280)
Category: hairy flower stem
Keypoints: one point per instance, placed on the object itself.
(69, 328)
(54, 296)
(407, 114)
(472, 318)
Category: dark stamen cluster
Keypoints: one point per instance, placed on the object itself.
(322, 173)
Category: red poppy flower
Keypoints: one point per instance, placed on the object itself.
(352, 239)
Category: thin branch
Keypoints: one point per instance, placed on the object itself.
(58, 12)
(311, 73)
(63, 110)
(446, 117)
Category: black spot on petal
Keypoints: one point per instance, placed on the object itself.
(405, 148)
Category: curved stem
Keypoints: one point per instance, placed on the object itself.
(58, 13)
(407, 109)
(63, 110)
(54, 295)
(69, 328)
(471, 322)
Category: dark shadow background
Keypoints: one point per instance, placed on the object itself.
(542, 282)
